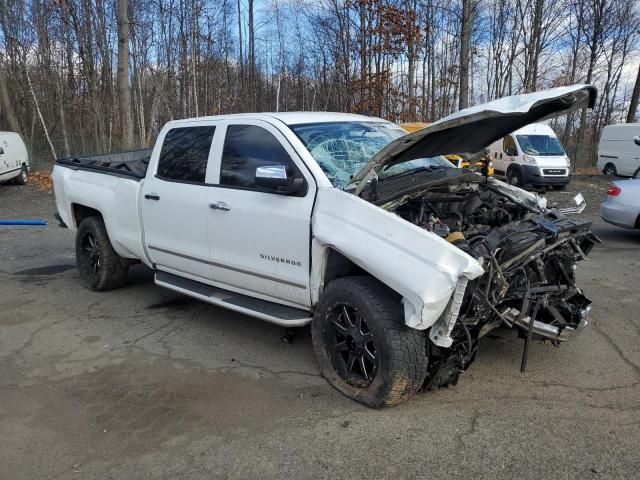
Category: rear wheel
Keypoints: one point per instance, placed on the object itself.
(610, 169)
(100, 267)
(23, 178)
(363, 346)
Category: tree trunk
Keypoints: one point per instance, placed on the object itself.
(635, 97)
(252, 58)
(37, 105)
(124, 92)
(5, 104)
(465, 47)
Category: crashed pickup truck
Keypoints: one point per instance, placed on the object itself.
(399, 261)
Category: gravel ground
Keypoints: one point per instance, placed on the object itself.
(141, 382)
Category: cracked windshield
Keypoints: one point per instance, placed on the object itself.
(343, 148)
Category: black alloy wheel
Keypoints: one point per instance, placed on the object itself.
(91, 251)
(351, 346)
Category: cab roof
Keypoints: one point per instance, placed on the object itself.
(296, 118)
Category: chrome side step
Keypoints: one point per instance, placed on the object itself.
(262, 309)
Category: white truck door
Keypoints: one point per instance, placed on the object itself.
(260, 239)
(174, 203)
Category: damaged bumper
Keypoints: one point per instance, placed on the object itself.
(551, 332)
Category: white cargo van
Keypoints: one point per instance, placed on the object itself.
(14, 160)
(619, 149)
(532, 155)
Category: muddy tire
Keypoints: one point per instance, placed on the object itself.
(363, 346)
(23, 177)
(100, 267)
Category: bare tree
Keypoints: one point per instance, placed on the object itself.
(635, 96)
(124, 92)
(465, 50)
(399, 59)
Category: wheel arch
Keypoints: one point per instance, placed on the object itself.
(514, 166)
(80, 212)
(337, 265)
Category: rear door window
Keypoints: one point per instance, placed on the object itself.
(185, 153)
(247, 147)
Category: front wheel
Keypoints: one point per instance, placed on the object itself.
(514, 177)
(100, 267)
(363, 346)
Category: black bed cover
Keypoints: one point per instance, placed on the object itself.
(132, 164)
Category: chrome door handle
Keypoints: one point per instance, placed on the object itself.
(220, 206)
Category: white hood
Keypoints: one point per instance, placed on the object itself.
(472, 129)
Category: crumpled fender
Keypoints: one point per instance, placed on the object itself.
(417, 264)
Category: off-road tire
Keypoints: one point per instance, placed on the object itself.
(112, 270)
(514, 177)
(610, 170)
(23, 177)
(400, 351)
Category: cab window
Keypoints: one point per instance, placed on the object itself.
(185, 153)
(247, 147)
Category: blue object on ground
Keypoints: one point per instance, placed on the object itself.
(23, 222)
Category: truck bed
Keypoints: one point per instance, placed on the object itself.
(132, 164)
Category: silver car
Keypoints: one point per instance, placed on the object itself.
(622, 206)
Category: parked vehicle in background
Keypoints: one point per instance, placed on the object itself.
(413, 126)
(622, 206)
(399, 261)
(619, 149)
(14, 160)
(475, 162)
(532, 156)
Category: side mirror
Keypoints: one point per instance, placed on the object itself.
(512, 152)
(276, 178)
(636, 140)
(1, 151)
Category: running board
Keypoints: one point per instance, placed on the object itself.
(262, 309)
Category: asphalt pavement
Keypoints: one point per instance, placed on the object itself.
(141, 382)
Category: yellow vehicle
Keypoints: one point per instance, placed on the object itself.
(413, 126)
(457, 160)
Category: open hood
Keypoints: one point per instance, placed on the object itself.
(472, 129)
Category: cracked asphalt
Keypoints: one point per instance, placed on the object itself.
(141, 382)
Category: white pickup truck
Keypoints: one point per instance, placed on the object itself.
(399, 261)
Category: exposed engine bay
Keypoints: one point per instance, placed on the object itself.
(529, 255)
